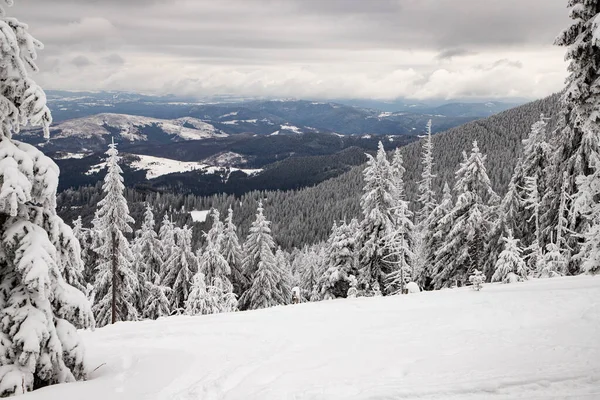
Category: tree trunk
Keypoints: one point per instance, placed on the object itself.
(114, 278)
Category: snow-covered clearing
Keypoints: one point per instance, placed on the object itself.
(199, 215)
(159, 166)
(532, 340)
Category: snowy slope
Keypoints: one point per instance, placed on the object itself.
(535, 340)
(130, 126)
(159, 166)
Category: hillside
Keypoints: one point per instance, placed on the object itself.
(532, 340)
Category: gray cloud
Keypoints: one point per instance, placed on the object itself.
(284, 47)
(81, 61)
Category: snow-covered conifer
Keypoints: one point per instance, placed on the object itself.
(39, 310)
(260, 266)
(232, 251)
(426, 193)
(199, 301)
(180, 268)
(532, 203)
(285, 273)
(588, 205)
(341, 262)
(116, 284)
(157, 302)
(477, 279)
(310, 266)
(166, 236)
(462, 249)
(510, 261)
(377, 202)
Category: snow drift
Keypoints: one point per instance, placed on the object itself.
(537, 339)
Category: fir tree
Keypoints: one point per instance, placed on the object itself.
(199, 301)
(377, 202)
(588, 204)
(157, 301)
(39, 311)
(426, 193)
(116, 284)
(341, 261)
(532, 203)
(284, 268)
(461, 251)
(166, 236)
(232, 251)
(510, 261)
(260, 266)
(180, 268)
(579, 124)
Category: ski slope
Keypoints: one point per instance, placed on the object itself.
(532, 340)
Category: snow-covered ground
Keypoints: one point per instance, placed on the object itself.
(199, 215)
(533, 340)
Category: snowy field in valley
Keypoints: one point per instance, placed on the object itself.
(533, 340)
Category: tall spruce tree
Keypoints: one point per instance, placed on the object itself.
(180, 268)
(340, 258)
(260, 267)
(39, 310)
(510, 261)
(232, 251)
(426, 193)
(579, 127)
(116, 284)
(377, 202)
(462, 250)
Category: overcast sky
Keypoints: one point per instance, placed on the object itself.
(383, 49)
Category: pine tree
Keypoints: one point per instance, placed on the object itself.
(284, 285)
(39, 310)
(532, 202)
(200, 301)
(555, 262)
(166, 236)
(232, 251)
(212, 262)
(377, 202)
(148, 257)
(260, 266)
(461, 251)
(510, 261)
(341, 260)
(180, 268)
(426, 193)
(438, 227)
(311, 265)
(157, 301)
(83, 237)
(587, 202)
(579, 125)
(116, 284)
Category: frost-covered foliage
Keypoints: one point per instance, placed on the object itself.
(377, 202)
(212, 262)
(477, 279)
(157, 301)
(260, 266)
(39, 310)
(587, 202)
(148, 256)
(437, 228)
(232, 251)
(284, 267)
(426, 192)
(340, 258)
(310, 264)
(510, 261)
(199, 301)
(462, 250)
(579, 127)
(166, 236)
(532, 203)
(180, 268)
(116, 285)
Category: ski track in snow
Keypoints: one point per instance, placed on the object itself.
(532, 340)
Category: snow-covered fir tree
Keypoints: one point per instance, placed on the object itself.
(157, 302)
(116, 284)
(285, 283)
(477, 279)
(461, 251)
(260, 267)
(377, 203)
(212, 262)
(587, 202)
(232, 251)
(340, 257)
(180, 268)
(200, 301)
(426, 193)
(148, 256)
(535, 254)
(166, 236)
(39, 311)
(555, 262)
(310, 265)
(510, 261)
(437, 228)
(579, 125)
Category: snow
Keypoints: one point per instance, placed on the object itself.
(531, 340)
(385, 114)
(158, 166)
(292, 128)
(130, 127)
(63, 156)
(199, 216)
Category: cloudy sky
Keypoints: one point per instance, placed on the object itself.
(382, 49)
